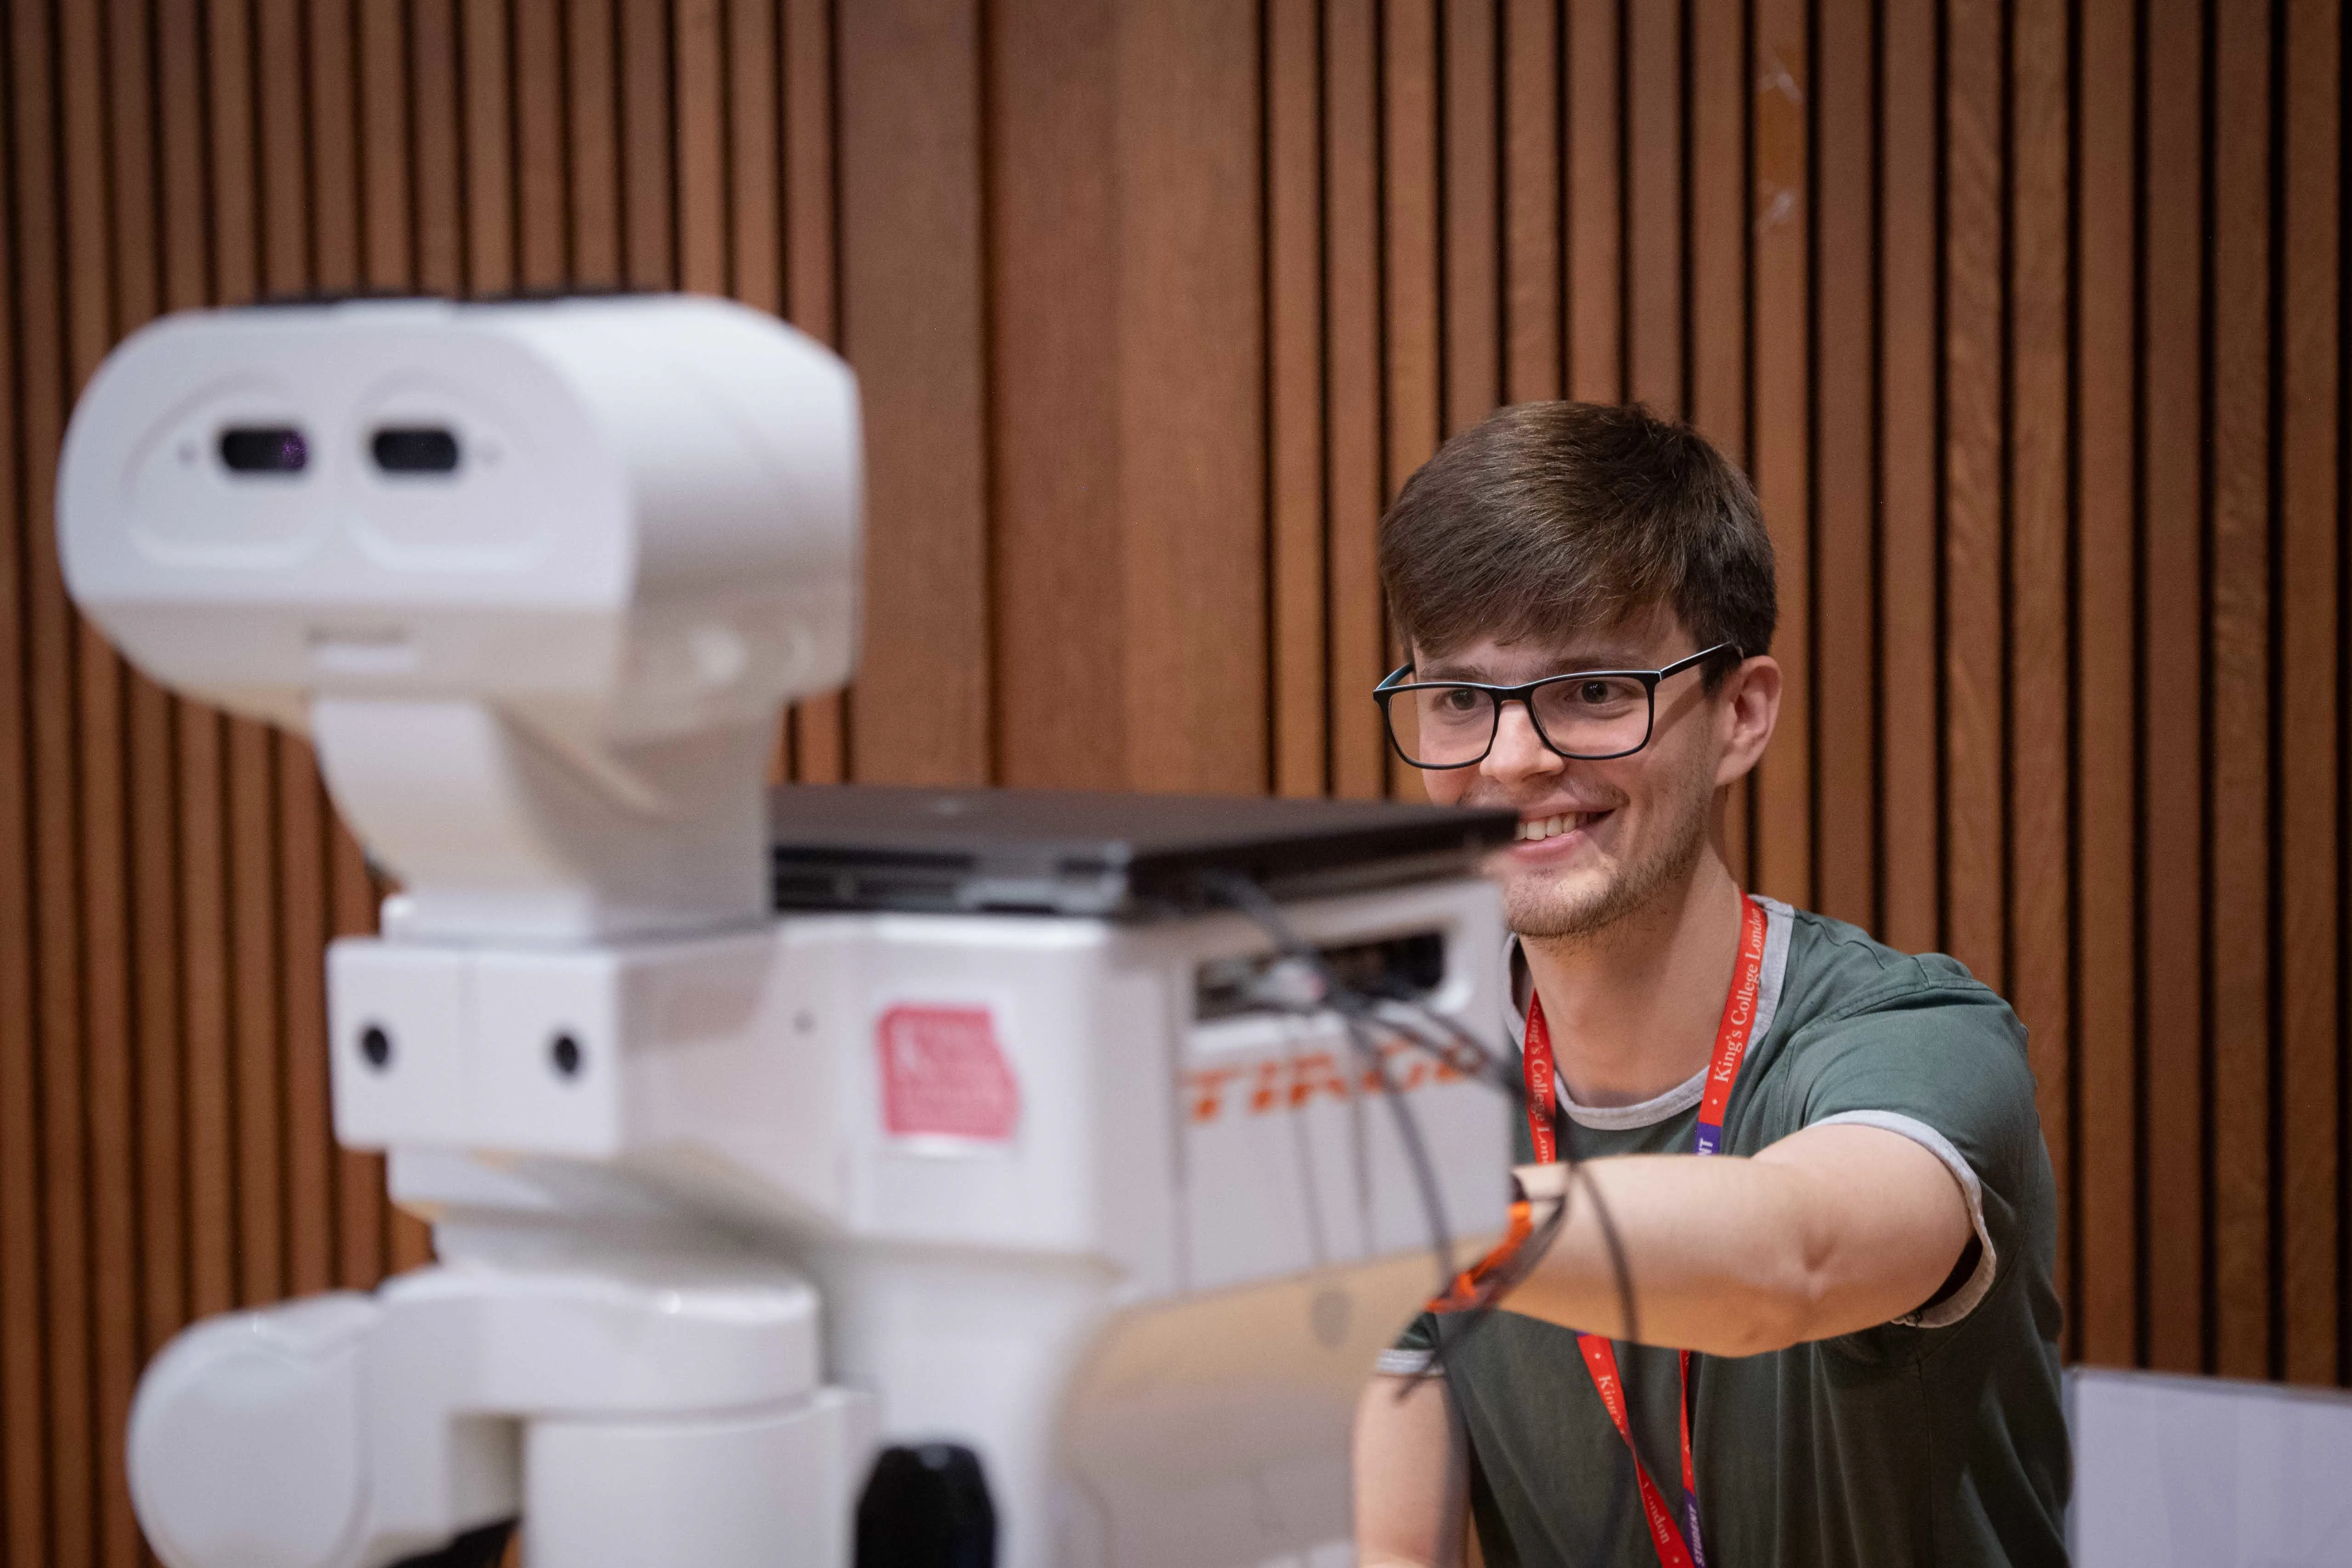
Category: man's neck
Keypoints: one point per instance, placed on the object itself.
(1632, 1008)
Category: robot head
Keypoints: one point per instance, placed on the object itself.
(613, 535)
(646, 505)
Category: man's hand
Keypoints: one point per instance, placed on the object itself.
(1831, 1230)
(1412, 1475)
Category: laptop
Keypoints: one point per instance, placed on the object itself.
(1099, 853)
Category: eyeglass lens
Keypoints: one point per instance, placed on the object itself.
(1584, 716)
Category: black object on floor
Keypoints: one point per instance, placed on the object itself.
(926, 1507)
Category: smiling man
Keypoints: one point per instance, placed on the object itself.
(1823, 1164)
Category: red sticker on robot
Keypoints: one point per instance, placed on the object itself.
(943, 1075)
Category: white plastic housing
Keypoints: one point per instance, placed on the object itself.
(630, 1405)
(542, 679)
(1141, 1260)
(651, 529)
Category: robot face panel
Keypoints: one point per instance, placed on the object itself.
(418, 498)
(384, 454)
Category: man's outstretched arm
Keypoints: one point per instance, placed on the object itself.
(1831, 1230)
(1412, 1475)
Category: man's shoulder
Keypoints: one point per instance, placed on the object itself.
(1837, 970)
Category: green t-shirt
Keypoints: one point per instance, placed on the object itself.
(1938, 1438)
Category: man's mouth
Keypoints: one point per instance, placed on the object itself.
(1535, 829)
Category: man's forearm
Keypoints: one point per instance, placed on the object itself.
(1849, 1227)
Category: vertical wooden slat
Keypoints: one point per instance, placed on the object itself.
(2039, 647)
(1974, 720)
(1596, 281)
(384, 94)
(1294, 284)
(1653, 249)
(647, 166)
(24, 1438)
(1468, 197)
(1191, 435)
(1721, 85)
(332, 155)
(1845, 626)
(1782, 854)
(751, 166)
(486, 95)
(61, 1263)
(2105, 1116)
(2312, 752)
(812, 257)
(1910, 890)
(2172, 903)
(1719, 224)
(1410, 178)
(701, 110)
(95, 237)
(436, 129)
(1410, 329)
(1531, 200)
(542, 169)
(282, 123)
(1056, 536)
(591, 92)
(1351, 226)
(913, 326)
(2240, 563)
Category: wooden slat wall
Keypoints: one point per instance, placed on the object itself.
(2026, 315)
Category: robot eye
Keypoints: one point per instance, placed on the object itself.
(415, 449)
(264, 450)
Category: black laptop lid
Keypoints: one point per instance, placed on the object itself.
(1099, 853)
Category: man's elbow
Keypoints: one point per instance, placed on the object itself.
(1782, 1305)
(1773, 1318)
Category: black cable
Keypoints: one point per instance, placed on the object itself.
(1356, 1009)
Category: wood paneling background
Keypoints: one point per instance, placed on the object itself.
(2027, 317)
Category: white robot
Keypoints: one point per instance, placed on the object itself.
(727, 1203)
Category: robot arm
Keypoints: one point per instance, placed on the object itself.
(675, 1416)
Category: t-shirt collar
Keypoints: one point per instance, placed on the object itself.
(1779, 921)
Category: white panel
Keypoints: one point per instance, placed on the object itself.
(2179, 1472)
(416, 997)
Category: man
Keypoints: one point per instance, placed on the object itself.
(1862, 1271)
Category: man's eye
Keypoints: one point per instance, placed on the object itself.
(1460, 700)
(1595, 692)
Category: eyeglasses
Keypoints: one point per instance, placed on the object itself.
(1590, 715)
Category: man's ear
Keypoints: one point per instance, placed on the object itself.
(1749, 707)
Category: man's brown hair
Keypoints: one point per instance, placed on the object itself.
(1547, 519)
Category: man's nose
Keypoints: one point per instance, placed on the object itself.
(1519, 752)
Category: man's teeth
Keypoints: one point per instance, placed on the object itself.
(1548, 827)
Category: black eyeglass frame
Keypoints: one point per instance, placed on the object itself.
(1525, 696)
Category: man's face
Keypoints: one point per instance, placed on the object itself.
(1597, 840)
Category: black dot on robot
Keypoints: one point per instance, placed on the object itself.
(566, 1055)
(376, 1046)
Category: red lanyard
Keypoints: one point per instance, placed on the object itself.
(1599, 1354)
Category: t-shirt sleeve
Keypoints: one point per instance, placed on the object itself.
(1944, 1064)
(1414, 1348)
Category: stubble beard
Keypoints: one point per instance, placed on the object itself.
(1539, 909)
